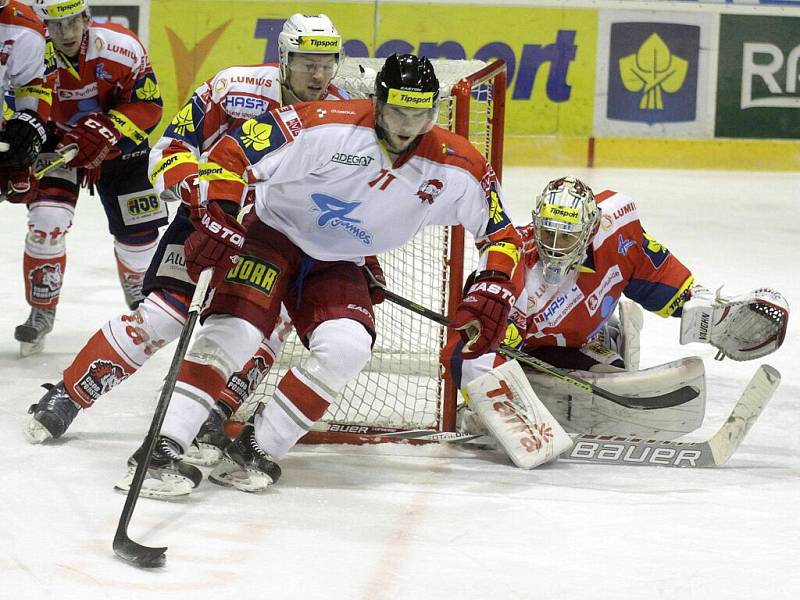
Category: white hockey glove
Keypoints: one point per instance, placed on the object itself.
(741, 327)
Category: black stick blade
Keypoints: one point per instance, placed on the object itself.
(136, 554)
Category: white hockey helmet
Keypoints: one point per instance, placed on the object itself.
(308, 34)
(565, 220)
(54, 10)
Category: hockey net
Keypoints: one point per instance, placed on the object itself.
(402, 387)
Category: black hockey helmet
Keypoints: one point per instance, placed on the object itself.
(408, 73)
(406, 100)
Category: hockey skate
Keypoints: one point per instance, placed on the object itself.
(52, 415)
(211, 441)
(32, 332)
(245, 465)
(132, 288)
(167, 476)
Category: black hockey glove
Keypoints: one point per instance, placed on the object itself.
(24, 133)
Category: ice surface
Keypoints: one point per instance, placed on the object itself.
(439, 522)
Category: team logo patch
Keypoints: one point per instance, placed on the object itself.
(654, 251)
(100, 377)
(429, 190)
(101, 73)
(149, 90)
(244, 383)
(624, 245)
(255, 273)
(45, 282)
(255, 135)
(183, 121)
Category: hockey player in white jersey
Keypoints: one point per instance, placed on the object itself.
(334, 183)
(24, 79)
(126, 342)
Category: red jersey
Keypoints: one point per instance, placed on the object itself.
(111, 75)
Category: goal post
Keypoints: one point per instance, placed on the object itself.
(403, 385)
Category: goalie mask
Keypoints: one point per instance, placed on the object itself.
(406, 100)
(310, 51)
(565, 220)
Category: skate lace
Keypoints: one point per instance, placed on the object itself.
(255, 447)
(168, 449)
(41, 318)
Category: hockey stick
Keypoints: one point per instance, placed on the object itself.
(711, 452)
(124, 546)
(66, 154)
(673, 398)
(618, 450)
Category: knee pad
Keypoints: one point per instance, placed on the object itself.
(339, 351)
(48, 224)
(225, 343)
(141, 333)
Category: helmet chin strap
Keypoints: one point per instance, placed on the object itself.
(289, 97)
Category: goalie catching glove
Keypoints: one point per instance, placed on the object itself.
(482, 316)
(741, 327)
(217, 240)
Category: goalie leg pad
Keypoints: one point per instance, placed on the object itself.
(513, 414)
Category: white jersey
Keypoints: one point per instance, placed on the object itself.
(323, 179)
(219, 104)
(22, 59)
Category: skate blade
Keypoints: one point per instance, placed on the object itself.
(30, 348)
(168, 487)
(203, 455)
(35, 432)
(230, 474)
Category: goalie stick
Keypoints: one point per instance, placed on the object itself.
(618, 450)
(673, 398)
(124, 546)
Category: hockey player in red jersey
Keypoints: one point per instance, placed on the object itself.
(332, 186)
(106, 100)
(582, 254)
(27, 80)
(224, 102)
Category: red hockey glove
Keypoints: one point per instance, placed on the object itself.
(96, 137)
(218, 239)
(481, 317)
(188, 191)
(375, 279)
(18, 185)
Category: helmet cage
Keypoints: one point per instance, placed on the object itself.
(565, 220)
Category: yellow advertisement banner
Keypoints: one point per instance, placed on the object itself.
(550, 53)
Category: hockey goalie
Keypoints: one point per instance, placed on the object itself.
(581, 254)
